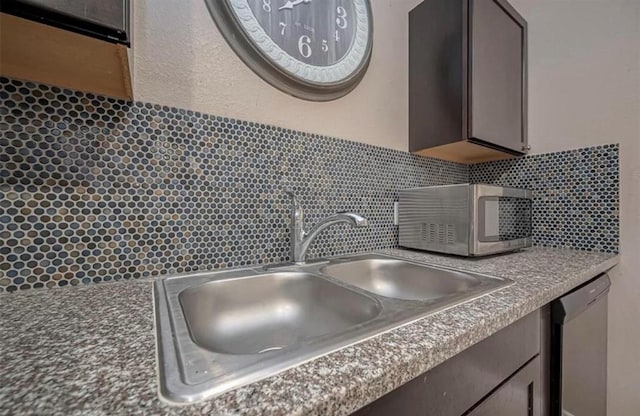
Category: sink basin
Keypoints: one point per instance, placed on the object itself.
(217, 331)
(401, 279)
(270, 312)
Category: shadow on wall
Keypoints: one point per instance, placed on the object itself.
(161, 54)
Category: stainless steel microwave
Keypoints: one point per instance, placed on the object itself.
(465, 219)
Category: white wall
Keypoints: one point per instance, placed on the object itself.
(182, 60)
(584, 83)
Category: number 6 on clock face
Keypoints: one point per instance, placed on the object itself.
(304, 46)
(313, 49)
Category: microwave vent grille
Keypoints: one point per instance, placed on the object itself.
(438, 233)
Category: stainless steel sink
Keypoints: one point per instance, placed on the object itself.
(217, 331)
(269, 312)
(401, 279)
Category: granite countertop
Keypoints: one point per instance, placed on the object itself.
(91, 350)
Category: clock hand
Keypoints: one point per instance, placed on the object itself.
(291, 3)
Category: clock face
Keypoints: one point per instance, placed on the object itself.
(318, 33)
(314, 49)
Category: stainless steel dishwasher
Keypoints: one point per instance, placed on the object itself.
(579, 350)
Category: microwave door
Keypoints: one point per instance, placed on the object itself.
(503, 222)
(491, 219)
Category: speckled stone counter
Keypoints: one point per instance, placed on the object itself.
(91, 350)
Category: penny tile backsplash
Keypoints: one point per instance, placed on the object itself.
(94, 189)
(575, 195)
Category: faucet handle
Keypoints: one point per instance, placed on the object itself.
(294, 199)
(297, 213)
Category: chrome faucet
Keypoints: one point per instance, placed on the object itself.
(301, 240)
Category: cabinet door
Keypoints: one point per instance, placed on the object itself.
(497, 93)
(518, 396)
(107, 20)
(456, 385)
(109, 13)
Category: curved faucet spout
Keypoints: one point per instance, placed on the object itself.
(343, 217)
(301, 240)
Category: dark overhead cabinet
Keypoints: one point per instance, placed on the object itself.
(107, 20)
(82, 45)
(467, 80)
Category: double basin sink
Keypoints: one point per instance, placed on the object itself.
(217, 331)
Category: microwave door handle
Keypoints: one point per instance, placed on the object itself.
(518, 193)
(497, 191)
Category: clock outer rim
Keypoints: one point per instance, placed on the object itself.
(261, 65)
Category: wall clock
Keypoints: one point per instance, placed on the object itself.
(313, 49)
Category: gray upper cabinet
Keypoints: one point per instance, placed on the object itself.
(467, 80)
(81, 45)
(107, 20)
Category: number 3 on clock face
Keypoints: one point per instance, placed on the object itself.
(319, 48)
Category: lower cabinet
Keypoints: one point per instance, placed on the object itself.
(518, 396)
(499, 376)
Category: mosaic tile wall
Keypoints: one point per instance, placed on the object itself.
(576, 195)
(94, 189)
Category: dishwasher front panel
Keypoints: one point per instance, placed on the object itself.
(584, 363)
(579, 351)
